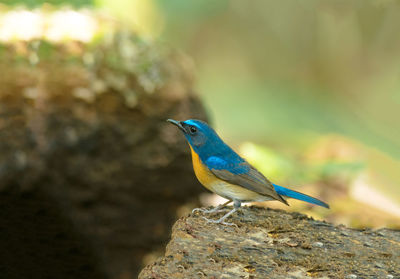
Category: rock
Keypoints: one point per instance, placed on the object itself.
(261, 246)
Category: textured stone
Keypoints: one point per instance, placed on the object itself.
(263, 246)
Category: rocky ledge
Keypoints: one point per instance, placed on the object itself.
(268, 243)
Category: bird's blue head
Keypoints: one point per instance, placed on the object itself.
(201, 137)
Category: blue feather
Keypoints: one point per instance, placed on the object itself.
(298, 196)
(237, 166)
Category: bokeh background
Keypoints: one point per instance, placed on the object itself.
(307, 91)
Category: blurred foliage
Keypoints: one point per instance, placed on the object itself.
(141, 15)
(285, 167)
(37, 3)
(300, 67)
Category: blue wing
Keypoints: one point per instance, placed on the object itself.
(241, 173)
(298, 196)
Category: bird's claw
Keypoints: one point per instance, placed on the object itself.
(198, 209)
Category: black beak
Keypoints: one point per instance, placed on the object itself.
(177, 123)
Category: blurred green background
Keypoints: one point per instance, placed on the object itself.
(309, 91)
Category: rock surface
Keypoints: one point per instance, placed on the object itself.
(275, 244)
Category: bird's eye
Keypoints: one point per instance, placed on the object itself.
(193, 129)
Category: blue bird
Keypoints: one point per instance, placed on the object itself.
(222, 171)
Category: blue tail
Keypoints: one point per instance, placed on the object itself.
(298, 196)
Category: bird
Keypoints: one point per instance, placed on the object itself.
(222, 171)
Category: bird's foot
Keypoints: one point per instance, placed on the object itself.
(214, 210)
(220, 221)
(219, 209)
(208, 211)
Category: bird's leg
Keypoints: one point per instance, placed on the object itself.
(215, 209)
(236, 206)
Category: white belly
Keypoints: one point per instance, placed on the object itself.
(235, 192)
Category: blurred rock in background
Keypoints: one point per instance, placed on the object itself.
(91, 174)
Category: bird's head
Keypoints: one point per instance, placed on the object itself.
(199, 135)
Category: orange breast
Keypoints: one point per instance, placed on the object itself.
(202, 173)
